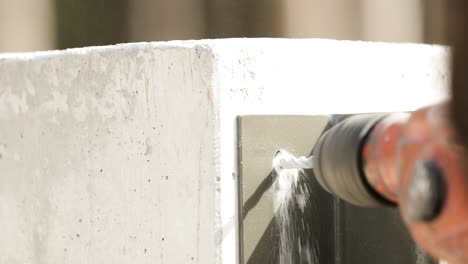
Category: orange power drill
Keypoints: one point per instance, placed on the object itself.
(413, 161)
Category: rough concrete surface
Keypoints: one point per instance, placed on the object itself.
(126, 154)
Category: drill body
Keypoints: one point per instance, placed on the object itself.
(413, 161)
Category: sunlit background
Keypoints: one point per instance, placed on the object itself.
(30, 25)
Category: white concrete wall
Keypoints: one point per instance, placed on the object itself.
(127, 154)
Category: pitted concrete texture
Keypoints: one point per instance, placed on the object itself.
(127, 154)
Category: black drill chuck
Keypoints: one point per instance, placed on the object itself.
(338, 160)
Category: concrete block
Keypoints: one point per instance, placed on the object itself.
(127, 154)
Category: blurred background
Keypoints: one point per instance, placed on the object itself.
(30, 25)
